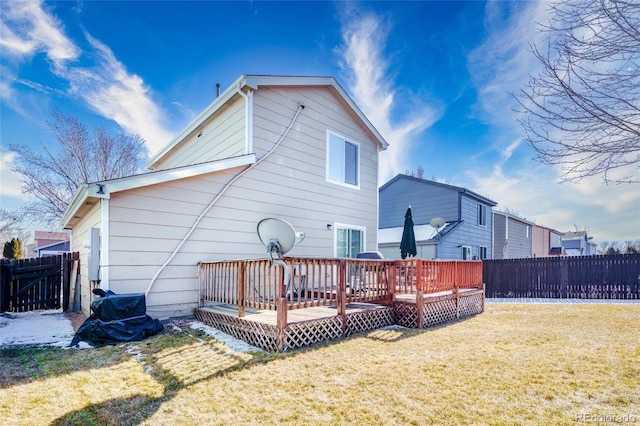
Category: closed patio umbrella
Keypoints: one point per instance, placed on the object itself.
(408, 242)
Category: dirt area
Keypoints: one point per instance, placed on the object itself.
(76, 318)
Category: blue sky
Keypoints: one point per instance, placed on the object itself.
(433, 77)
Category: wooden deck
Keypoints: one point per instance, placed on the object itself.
(312, 325)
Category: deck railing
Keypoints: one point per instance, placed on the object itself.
(330, 281)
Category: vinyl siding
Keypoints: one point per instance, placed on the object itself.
(148, 223)
(519, 243)
(82, 233)
(468, 233)
(510, 237)
(499, 235)
(426, 202)
(223, 136)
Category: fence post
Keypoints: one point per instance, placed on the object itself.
(564, 277)
(6, 267)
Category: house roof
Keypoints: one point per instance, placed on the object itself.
(458, 189)
(514, 217)
(89, 194)
(253, 82)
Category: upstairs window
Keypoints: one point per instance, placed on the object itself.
(343, 160)
(482, 215)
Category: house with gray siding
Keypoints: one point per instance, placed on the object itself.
(293, 148)
(512, 236)
(466, 235)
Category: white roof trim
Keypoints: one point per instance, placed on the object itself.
(105, 188)
(254, 82)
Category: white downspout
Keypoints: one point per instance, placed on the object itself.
(248, 119)
(104, 243)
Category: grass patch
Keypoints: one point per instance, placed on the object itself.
(513, 364)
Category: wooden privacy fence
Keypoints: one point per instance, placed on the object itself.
(329, 281)
(38, 283)
(580, 277)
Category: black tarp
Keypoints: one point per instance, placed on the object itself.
(117, 318)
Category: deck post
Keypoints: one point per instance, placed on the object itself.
(420, 308)
(456, 291)
(281, 321)
(342, 293)
(241, 280)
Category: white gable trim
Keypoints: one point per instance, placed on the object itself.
(102, 190)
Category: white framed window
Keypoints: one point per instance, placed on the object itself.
(483, 252)
(482, 215)
(466, 252)
(349, 239)
(343, 160)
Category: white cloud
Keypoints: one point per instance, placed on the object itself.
(500, 65)
(119, 95)
(364, 38)
(107, 88)
(28, 29)
(9, 181)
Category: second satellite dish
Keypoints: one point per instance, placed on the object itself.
(437, 222)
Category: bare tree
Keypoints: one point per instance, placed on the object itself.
(582, 111)
(52, 176)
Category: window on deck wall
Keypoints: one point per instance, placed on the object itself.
(349, 240)
(466, 253)
(483, 252)
(343, 160)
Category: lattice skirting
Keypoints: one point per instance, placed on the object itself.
(440, 310)
(261, 335)
(301, 334)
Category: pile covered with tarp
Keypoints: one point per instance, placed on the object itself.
(117, 318)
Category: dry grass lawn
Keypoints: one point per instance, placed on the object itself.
(513, 364)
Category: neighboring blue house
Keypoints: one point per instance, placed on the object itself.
(466, 235)
(578, 244)
(52, 249)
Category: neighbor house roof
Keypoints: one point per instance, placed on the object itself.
(514, 217)
(253, 82)
(458, 189)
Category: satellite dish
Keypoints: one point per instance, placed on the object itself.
(437, 222)
(277, 236)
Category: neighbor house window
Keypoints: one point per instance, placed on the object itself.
(349, 240)
(466, 253)
(483, 252)
(343, 160)
(482, 215)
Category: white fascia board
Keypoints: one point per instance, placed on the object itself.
(198, 121)
(78, 200)
(153, 178)
(105, 188)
